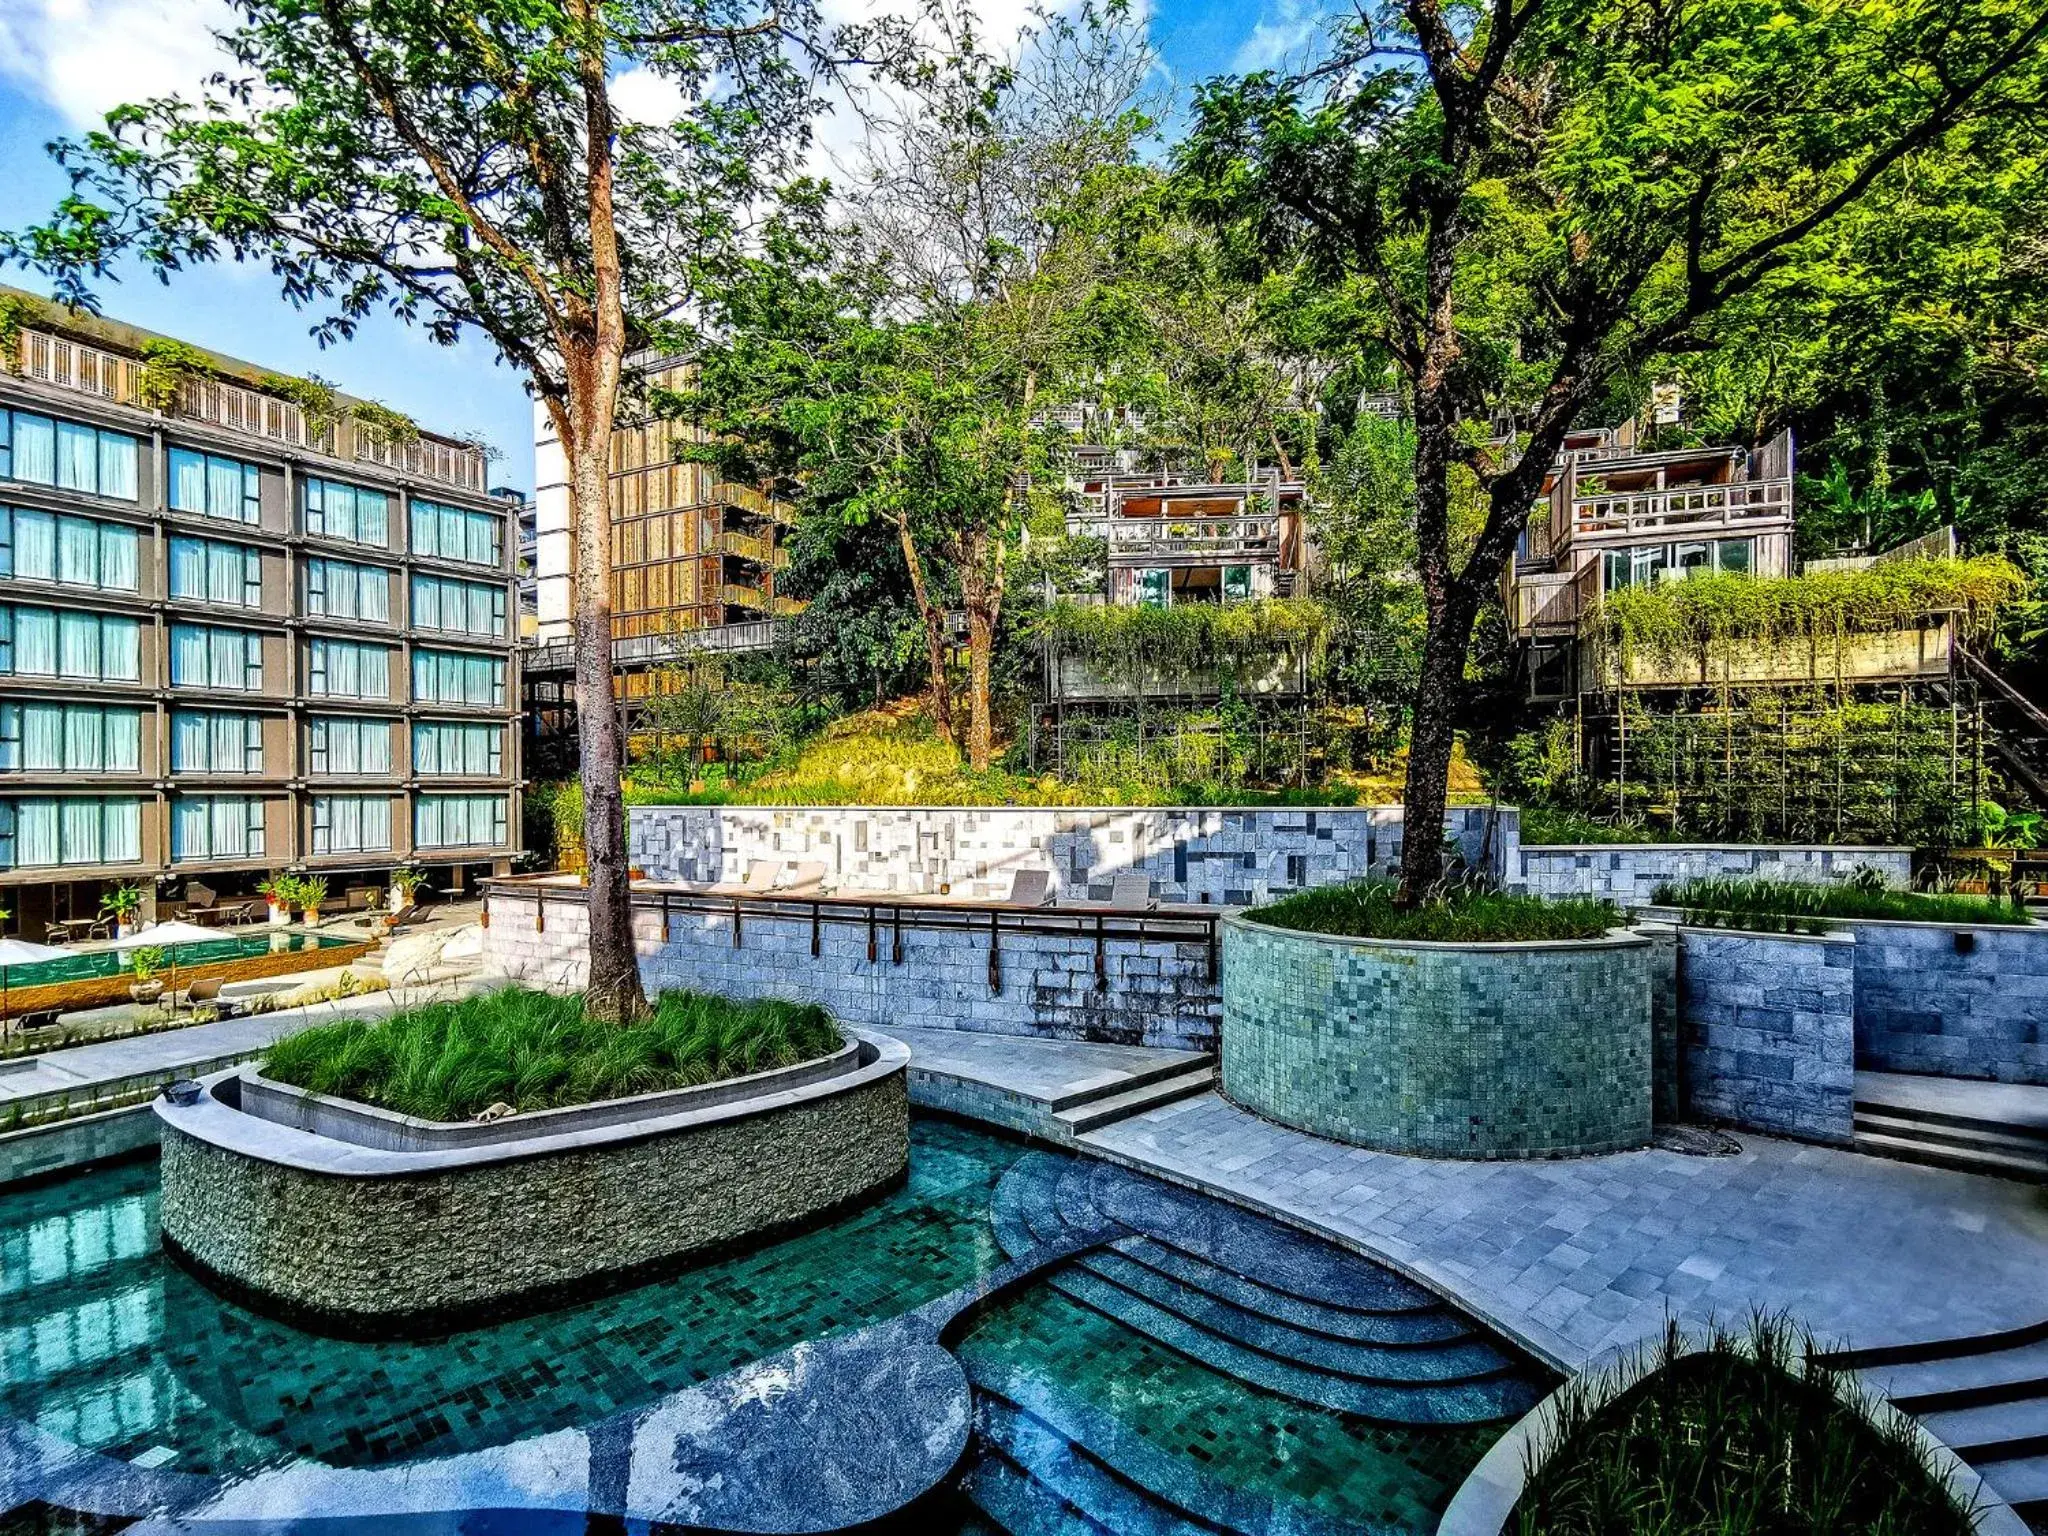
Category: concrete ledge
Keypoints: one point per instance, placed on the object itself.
(368, 1242)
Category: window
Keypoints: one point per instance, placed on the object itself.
(214, 741)
(85, 647)
(466, 607)
(450, 677)
(206, 656)
(458, 821)
(67, 454)
(1154, 588)
(344, 669)
(339, 744)
(450, 533)
(209, 571)
(71, 551)
(449, 747)
(1649, 563)
(216, 827)
(70, 738)
(211, 486)
(69, 830)
(342, 589)
(338, 511)
(351, 824)
(1237, 583)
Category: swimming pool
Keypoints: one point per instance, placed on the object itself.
(1147, 1388)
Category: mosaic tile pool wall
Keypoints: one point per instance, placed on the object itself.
(1524, 1050)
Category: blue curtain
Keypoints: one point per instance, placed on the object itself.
(80, 838)
(190, 825)
(120, 558)
(188, 481)
(35, 545)
(78, 457)
(82, 740)
(35, 449)
(188, 656)
(42, 737)
(121, 650)
(121, 824)
(78, 552)
(78, 641)
(123, 740)
(36, 835)
(190, 740)
(223, 488)
(117, 465)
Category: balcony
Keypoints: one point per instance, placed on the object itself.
(747, 499)
(87, 370)
(1148, 540)
(742, 546)
(1697, 509)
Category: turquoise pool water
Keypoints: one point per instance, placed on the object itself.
(107, 1345)
(91, 965)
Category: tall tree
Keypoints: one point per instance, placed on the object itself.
(469, 165)
(1548, 194)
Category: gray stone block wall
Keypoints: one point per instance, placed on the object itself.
(435, 1243)
(1529, 1050)
(1927, 1003)
(1631, 872)
(42, 1150)
(1769, 1031)
(1223, 857)
(1158, 992)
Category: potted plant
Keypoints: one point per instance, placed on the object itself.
(311, 893)
(405, 882)
(145, 963)
(123, 904)
(279, 891)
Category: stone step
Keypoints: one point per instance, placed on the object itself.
(1993, 1431)
(1097, 1113)
(1021, 1505)
(2006, 1109)
(1958, 1160)
(1984, 1136)
(2022, 1481)
(1963, 1381)
(1172, 1064)
(1078, 1480)
(1929, 1350)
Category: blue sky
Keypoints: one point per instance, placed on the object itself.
(64, 62)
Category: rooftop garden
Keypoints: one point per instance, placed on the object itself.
(1747, 1435)
(1793, 906)
(1185, 635)
(533, 1050)
(1367, 909)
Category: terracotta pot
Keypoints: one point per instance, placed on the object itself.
(312, 917)
(146, 991)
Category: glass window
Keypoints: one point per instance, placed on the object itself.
(73, 551)
(454, 677)
(68, 454)
(345, 669)
(465, 607)
(89, 647)
(206, 656)
(1237, 583)
(209, 571)
(351, 823)
(351, 512)
(37, 833)
(451, 533)
(1154, 588)
(458, 821)
(210, 486)
(341, 744)
(216, 741)
(1735, 556)
(216, 827)
(69, 738)
(341, 589)
(450, 747)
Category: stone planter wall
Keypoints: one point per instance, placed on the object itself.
(1223, 857)
(1631, 872)
(1447, 1050)
(1952, 1001)
(358, 1241)
(1768, 1031)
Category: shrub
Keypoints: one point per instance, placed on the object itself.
(533, 1050)
(1794, 905)
(1746, 1436)
(1366, 910)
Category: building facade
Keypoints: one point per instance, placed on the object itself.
(234, 640)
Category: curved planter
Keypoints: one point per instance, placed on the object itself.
(1443, 1050)
(371, 1225)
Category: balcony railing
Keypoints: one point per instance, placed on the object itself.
(747, 499)
(631, 650)
(746, 547)
(1134, 539)
(1696, 507)
(90, 370)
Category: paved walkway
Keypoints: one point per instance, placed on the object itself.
(1578, 1256)
(1050, 1089)
(2014, 1104)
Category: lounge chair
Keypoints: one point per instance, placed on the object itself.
(804, 880)
(1132, 892)
(411, 915)
(1031, 888)
(205, 990)
(760, 881)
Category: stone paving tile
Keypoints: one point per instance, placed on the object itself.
(1577, 1256)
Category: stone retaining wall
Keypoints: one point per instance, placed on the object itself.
(1631, 872)
(1768, 1031)
(1223, 857)
(1158, 992)
(1953, 1001)
(1446, 1050)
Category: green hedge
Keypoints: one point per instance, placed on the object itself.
(1366, 910)
(1189, 636)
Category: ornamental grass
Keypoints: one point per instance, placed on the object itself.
(1366, 909)
(535, 1050)
(1780, 906)
(1745, 1435)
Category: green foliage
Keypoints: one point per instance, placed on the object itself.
(122, 902)
(1121, 641)
(1746, 1435)
(1711, 613)
(314, 396)
(1366, 909)
(533, 1050)
(147, 961)
(1775, 905)
(166, 367)
(1548, 826)
(17, 314)
(553, 819)
(383, 425)
(311, 892)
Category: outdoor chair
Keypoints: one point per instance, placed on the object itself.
(1031, 888)
(761, 877)
(804, 880)
(411, 915)
(1132, 892)
(204, 990)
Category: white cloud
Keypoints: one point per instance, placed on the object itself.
(1280, 33)
(83, 57)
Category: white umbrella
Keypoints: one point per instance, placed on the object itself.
(22, 952)
(161, 935)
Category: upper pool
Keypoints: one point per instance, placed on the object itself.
(98, 964)
(1145, 1389)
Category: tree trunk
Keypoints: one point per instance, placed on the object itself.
(614, 991)
(934, 636)
(1432, 735)
(981, 644)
